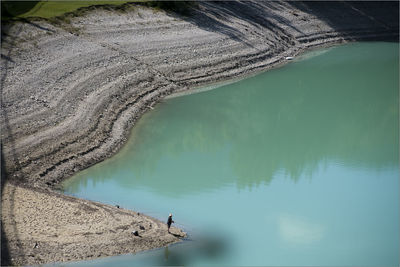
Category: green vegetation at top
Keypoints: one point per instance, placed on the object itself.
(46, 9)
(11, 10)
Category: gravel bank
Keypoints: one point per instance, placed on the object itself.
(70, 95)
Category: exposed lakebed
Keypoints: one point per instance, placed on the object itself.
(295, 166)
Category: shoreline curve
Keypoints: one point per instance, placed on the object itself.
(70, 97)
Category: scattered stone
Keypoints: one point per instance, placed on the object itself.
(135, 233)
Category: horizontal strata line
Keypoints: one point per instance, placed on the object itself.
(108, 131)
(243, 71)
(42, 70)
(246, 58)
(234, 65)
(322, 35)
(68, 90)
(47, 114)
(316, 41)
(81, 136)
(148, 30)
(126, 81)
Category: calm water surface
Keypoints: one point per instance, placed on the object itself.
(296, 166)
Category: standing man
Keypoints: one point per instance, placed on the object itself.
(170, 221)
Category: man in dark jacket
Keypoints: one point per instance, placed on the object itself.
(170, 221)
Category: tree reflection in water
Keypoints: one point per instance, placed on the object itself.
(290, 120)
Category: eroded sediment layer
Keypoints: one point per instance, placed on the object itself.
(71, 94)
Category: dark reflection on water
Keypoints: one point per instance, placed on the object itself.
(210, 247)
(296, 166)
(181, 254)
(339, 107)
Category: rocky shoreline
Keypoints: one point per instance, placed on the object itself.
(70, 96)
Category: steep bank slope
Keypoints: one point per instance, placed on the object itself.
(70, 95)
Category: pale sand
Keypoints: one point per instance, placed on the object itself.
(70, 96)
(47, 227)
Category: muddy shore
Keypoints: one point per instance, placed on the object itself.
(70, 95)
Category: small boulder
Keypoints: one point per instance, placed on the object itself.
(135, 233)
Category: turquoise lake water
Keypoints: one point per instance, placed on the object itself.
(295, 166)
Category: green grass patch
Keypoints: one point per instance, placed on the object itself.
(61, 12)
(47, 9)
